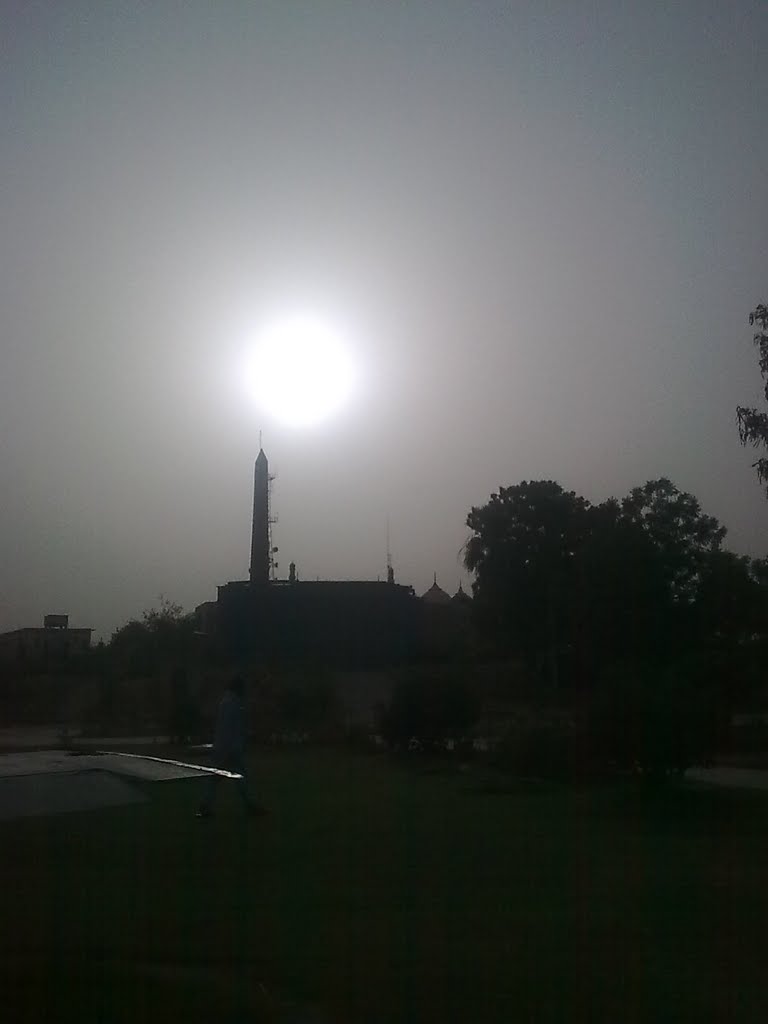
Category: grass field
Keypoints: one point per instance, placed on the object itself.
(378, 892)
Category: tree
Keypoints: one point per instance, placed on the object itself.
(563, 582)
(731, 613)
(679, 531)
(163, 636)
(522, 554)
(753, 425)
(730, 603)
(622, 598)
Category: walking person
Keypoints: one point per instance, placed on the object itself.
(229, 751)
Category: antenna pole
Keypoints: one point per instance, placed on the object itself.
(390, 570)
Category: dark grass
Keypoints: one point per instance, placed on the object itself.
(378, 892)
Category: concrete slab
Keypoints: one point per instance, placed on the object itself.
(41, 794)
(156, 769)
(59, 781)
(62, 762)
(102, 742)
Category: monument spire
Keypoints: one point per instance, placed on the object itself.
(260, 555)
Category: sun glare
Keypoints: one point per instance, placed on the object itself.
(300, 371)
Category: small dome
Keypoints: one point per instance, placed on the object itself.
(436, 594)
(461, 595)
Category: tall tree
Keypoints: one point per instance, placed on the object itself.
(680, 532)
(730, 603)
(557, 576)
(622, 599)
(522, 552)
(753, 424)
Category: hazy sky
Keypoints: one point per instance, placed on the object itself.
(541, 226)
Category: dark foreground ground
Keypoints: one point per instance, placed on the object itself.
(377, 892)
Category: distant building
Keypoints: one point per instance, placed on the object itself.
(53, 641)
(355, 624)
(346, 623)
(351, 624)
(206, 617)
(446, 622)
(436, 595)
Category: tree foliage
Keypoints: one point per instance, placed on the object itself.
(680, 533)
(574, 587)
(621, 600)
(163, 637)
(753, 424)
(522, 552)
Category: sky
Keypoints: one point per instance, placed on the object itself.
(539, 225)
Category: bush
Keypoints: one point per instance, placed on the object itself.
(430, 707)
(33, 700)
(543, 750)
(360, 739)
(657, 720)
(286, 705)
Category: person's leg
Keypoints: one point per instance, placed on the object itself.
(250, 805)
(237, 765)
(209, 793)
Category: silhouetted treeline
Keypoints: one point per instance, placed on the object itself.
(575, 587)
(630, 613)
(635, 601)
(752, 422)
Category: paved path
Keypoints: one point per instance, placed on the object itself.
(736, 778)
(29, 737)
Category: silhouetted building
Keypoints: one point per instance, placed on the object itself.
(436, 595)
(461, 597)
(206, 617)
(349, 623)
(446, 623)
(355, 624)
(54, 640)
(344, 623)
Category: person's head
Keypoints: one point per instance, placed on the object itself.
(236, 685)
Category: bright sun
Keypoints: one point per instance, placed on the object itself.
(300, 371)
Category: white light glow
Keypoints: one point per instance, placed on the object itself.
(300, 372)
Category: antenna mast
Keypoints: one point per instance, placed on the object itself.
(390, 570)
(271, 520)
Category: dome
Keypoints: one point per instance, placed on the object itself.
(436, 594)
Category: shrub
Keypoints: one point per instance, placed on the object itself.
(543, 750)
(430, 707)
(658, 720)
